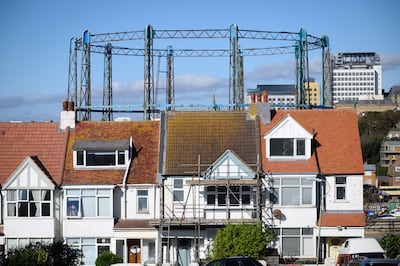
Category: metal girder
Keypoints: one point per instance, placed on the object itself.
(107, 84)
(96, 43)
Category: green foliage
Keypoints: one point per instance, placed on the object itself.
(54, 254)
(373, 127)
(391, 244)
(107, 258)
(242, 240)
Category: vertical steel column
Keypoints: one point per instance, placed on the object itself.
(73, 73)
(300, 51)
(234, 63)
(326, 94)
(148, 72)
(107, 84)
(170, 93)
(85, 97)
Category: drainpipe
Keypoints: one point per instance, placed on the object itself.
(124, 182)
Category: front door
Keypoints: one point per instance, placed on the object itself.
(134, 251)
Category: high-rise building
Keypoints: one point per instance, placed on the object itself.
(357, 76)
(312, 92)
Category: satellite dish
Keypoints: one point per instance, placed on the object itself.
(277, 213)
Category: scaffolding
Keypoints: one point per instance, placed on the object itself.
(299, 43)
(192, 216)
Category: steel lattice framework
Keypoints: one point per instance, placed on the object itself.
(299, 43)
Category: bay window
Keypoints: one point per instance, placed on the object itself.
(29, 202)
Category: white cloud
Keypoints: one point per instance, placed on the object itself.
(390, 61)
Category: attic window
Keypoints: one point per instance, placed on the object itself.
(287, 147)
(90, 153)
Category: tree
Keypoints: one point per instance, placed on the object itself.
(54, 254)
(107, 258)
(391, 244)
(242, 240)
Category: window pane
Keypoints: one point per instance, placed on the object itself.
(88, 192)
(274, 196)
(72, 206)
(142, 204)
(22, 194)
(103, 192)
(340, 180)
(121, 157)
(307, 195)
(23, 209)
(281, 147)
(221, 199)
(178, 183)
(34, 209)
(291, 246)
(178, 195)
(291, 181)
(308, 246)
(210, 199)
(12, 209)
(301, 147)
(103, 206)
(245, 199)
(234, 199)
(88, 206)
(142, 192)
(89, 254)
(290, 196)
(11, 195)
(79, 157)
(340, 193)
(45, 209)
(104, 158)
(46, 195)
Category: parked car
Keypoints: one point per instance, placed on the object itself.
(235, 261)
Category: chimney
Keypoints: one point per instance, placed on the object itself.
(67, 117)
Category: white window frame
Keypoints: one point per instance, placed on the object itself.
(78, 194)
(295, 155)
(86, 152)
(302, 184)
(28, 201)
(141, 197)
(178, 188)
(81, 242)
(215, 192)
(342, 186)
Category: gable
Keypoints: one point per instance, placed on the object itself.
(229, 166)
(30, 174)
(288, 128)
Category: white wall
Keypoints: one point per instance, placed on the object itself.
(16, 227)
(354, 194)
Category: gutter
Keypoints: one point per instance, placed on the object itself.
(124, 182)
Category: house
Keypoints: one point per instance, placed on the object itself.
(209, 178)
(31, 169)
(109, 189)
(315, 165)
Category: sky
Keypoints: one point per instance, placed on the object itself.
(35, 41)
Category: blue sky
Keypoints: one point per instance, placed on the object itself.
(35, 36)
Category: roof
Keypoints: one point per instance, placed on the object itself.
(42, 141)
(333, 219)
(143, 170)
(193, 137)
(337, 138)
(136, 224)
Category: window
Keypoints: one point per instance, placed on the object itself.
(29, 203)
(88, 202)
(296, 241)
(340, 183)
(91, 247)
(287, 147)
(236, 195)
(178, 190)
(292, 191)
(88, 158)
(142, 200)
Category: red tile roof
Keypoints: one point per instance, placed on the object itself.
(43, 140)
(337, 134)
(332, 219)
(144, 166)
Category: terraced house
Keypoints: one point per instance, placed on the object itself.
(156, 192)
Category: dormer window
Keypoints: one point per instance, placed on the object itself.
(287, 147)
(288, 140)
(93, 154)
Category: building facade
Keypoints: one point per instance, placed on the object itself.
(157, 192)
(356, 76)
